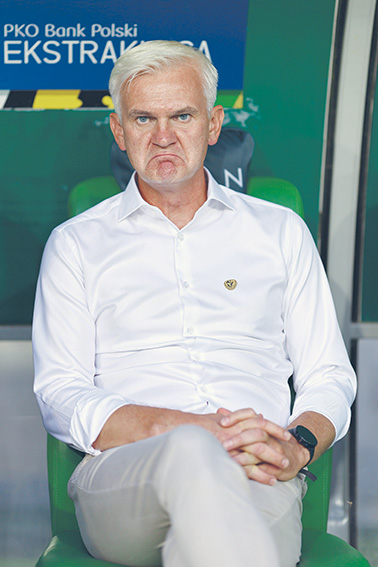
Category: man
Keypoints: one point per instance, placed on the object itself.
(168, 320)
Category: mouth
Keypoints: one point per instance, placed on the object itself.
(165, 156)
(164, 163)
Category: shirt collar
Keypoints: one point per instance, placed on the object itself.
(216, 192)
(132, 199)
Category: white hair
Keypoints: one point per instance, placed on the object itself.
(152, 56)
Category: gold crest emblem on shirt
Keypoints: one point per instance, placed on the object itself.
(230, 284)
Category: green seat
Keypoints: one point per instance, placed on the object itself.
(90, 192)
(66, 549)
(277, 191)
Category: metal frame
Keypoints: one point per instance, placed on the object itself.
(15, 333)
(340, 206)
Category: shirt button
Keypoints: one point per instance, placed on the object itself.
(180, 236)
(190, 330)
(186, 285)
(196, 356)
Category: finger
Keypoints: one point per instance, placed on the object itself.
(234, 454)
(271, 428)
(246, 438)
(261, 453)
(268, 428)
(280, 474)
(255, 472)
(274, 430)
(236, 416)
(248, 418)
(245, 459)
(260, 446)
(223, 411)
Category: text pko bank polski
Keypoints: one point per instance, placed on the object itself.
(51, 30)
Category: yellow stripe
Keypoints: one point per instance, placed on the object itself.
(107, 101)
(57, 99)
(239, 101)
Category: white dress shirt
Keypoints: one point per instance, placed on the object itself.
(130, 309)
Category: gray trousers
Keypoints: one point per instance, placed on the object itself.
(179, 500)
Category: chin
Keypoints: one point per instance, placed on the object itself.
(160, 178)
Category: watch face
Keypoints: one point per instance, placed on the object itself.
(306, 435)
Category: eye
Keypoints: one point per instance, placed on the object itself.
(184, 117)
(142, 119)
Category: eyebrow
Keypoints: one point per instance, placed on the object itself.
(135, 112)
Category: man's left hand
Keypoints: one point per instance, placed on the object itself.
(266, 451)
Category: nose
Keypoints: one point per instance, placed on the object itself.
(164, 133)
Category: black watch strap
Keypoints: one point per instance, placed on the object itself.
(309, 474)
(308, 440)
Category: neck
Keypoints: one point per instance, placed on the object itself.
(178, 203)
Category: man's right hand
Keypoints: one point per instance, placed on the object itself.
(132, 423)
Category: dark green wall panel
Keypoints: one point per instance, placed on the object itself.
(43, 155)
(369, 308)
(286, 73)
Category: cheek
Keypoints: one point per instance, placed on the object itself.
(197, 144)
(134, 145)
(134, 157)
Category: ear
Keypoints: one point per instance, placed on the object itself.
(117, 129)
(216, 121)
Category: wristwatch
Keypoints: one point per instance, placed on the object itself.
(305, 438)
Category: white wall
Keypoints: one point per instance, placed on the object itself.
(24, 507)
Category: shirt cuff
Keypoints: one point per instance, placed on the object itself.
(90, 416)
(337, 413)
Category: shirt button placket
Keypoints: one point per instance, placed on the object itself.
(184, 278)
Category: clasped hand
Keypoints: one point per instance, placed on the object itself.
(266, 451)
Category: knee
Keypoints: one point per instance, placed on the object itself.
(187, 440)
(192, 459)
(192, 449)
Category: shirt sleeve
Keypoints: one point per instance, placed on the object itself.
(73, 409)
(324, 379)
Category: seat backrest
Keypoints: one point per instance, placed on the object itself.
(61, 462)
(277, 191)
(316, 501)
(90, 192)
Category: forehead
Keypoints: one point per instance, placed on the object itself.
(172, 87)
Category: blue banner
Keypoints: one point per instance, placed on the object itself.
(72, 44)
